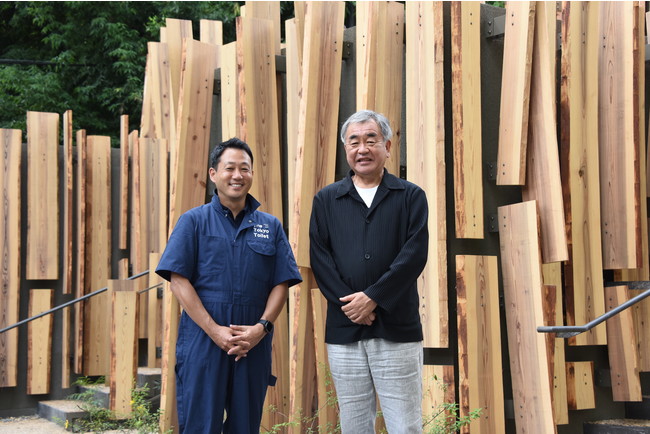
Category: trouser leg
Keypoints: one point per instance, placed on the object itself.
(354, 389)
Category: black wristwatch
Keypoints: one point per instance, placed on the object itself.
(268, 325)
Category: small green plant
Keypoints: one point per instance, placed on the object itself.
(444, 418)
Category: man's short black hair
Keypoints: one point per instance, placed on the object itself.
(235, 143)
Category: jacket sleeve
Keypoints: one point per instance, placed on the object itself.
(403, 273)
(327, 275)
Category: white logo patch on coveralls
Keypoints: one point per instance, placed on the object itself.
(261, 231)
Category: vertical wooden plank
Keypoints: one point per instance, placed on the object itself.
(327, 407)
(80, 289)
(124, 182)
(437, 389)
(277, 398)
(211, 32)
(479, 342)
(515, 92)
(171, 316)
(543, 182)
(42, 256)
(98, 257)
(66, 350)
(124, 344)
(176, 32)
(466, 113)
(267, 10)
(39, 342)
(623, 357)
(67, 203)
(580, 385)
(138, 240)
(158, 116)
(259, 124)
(641, 313)
(10, 252)
(425, 158)
(154, 318)
(616, 135)
(522, 286)
(585, 295)
(229, 92)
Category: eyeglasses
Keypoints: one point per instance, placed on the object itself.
(370, 144)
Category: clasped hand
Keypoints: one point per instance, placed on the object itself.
(238, 340)
(359, 308)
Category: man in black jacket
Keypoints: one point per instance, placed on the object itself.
(369, 240)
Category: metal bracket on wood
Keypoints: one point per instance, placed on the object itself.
(347, 49)
(491, 170)
(158, 352)
(492, 223)
(496, 27)
(159, 293)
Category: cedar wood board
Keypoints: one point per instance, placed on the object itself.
(466, 118)
(522, 287)
(293, 90)
(380, 37)
(98, 255)
(327, 415)
(437, 387)
(623, 353)
(68, 138)
(80, 287)
(153, 195)
(39, 342)
(267, 10)
(515, 92)
(229, 93)
(317, 125)
(616, 136)
(278, 396)
(580, 385)
(640, 194)
(187, 185)
(543, 182)
(157, 114)
(138, 239)
(479, 341)
(552, 276)
(42, 258)
(585, 295)
(641, 313)
(124, 183)
(259, 109)
(426, 160)
(154, 314)
(10, 181)
(124, 343)
(176, 31)
(211, 32)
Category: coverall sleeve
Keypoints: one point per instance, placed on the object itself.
(181, 251)
(286, 269)
(409, 262)
(322, 263)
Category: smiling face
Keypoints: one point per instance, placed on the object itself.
(366, 150)
(233, 176)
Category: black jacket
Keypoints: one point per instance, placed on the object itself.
(379, 250)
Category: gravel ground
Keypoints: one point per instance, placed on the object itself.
(37, 425)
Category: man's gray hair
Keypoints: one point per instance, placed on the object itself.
(365, 116)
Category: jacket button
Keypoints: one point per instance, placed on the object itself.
(367, 256)
(367, 220)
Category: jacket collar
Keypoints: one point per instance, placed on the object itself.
(251, 203)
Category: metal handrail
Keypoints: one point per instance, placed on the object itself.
(570, 331)
(77, 300)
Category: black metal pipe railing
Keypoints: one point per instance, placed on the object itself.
(77, 300)
(570, 331)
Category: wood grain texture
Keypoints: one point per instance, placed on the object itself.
(229, 92)
(293, 91)
(515, 92)
(641, 313)
(259, 121)
(543, 181)
(11, 147)
(211, 32)
(267, 10)
(437, 389)
(317, 125)
(623, 357)
(466, 118)
(80, 284)
(158, 116)
(97, 319)
(153, 195)
(327, 406)
(276, 404)
(522, 286)
(66, 349)
(176, 31)
(42, 253)
(616, 135)
(580, 385)
(479, 342)
(154, 314)
(123, 223)
(124, 344)
(425, 157)
(171, 319)
(39, 342)
(68, 137)
(380, 36)
(585, 296)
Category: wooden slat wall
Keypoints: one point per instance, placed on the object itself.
(98, 255)
(580, 385)
(515, 92)
(259, 124)
(66, 349)
(176, 32)
(39, 342)
(425, 157)
(641, 313)
(138, 239)
(42, 251)
(466, 113)
(379, 82)
(153, 194)
(80, 287)
(267, 10)
(616, 135)
(68, 137)
(211, 32)
(437, 389)
(623, 358)
(479, 342)
(229, 92)
(158, 117)
(543, 182)
(124, 183)
(154, 317)
(10, 251)
(327, 407)
(124, 344)
(585, 295)
(522, 286)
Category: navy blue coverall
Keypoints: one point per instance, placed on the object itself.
(232, 265)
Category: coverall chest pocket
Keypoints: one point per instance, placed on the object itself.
(262, 259)
(213, 254)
